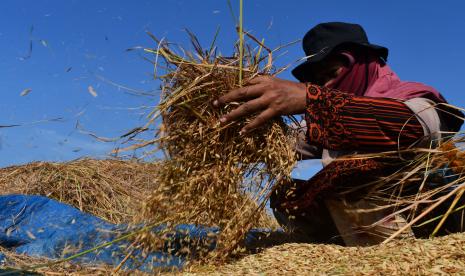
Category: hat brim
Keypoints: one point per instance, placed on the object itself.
(301, 71)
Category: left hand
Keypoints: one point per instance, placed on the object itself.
(269, 96)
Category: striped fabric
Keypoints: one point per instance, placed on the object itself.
(341, 121)
(302, 196)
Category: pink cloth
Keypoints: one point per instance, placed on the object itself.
(367, 76)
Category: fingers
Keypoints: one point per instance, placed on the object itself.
(259, 79)
(255, 89)
(245, 109)
(260, 120)
(240, 94)
(254, 95)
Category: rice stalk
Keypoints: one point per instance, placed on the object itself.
(427, 187)
(449, 211)
(211, 175)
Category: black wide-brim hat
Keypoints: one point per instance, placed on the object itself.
(322, 39)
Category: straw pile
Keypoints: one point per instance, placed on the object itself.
(211, 175)
(438, 256)
(427, 191)
(15, 261)
(110, 189)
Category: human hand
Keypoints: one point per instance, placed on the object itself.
(266, 95)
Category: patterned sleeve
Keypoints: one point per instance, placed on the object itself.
(341, 121)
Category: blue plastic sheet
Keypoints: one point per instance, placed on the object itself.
(42, 227)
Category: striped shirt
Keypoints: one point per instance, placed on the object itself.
(341, 121)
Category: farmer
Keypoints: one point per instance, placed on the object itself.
(353, 104)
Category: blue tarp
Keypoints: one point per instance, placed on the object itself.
(42, 227)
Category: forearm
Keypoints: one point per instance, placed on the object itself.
(340, 121)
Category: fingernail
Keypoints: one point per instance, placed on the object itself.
(223, 119)
(215, 103)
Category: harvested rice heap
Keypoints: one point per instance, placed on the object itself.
(109, 189)
(211, 175)
(13, 264)
(438, 256)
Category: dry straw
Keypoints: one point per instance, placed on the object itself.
(426, 190)
(211, 175)
(14, 262)
(110, 189)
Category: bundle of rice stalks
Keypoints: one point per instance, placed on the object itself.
(211, 175)
(109, 189)
(427, 191)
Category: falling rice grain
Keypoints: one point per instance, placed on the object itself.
(25, 92)
(92, 91)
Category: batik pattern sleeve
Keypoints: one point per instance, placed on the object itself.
(341, 121)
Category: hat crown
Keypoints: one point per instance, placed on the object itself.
(326, 36)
